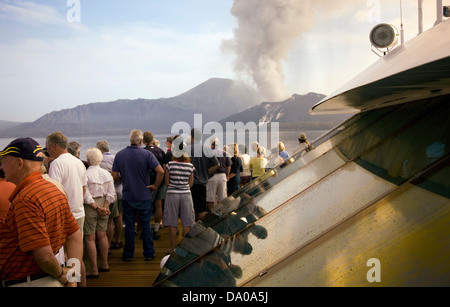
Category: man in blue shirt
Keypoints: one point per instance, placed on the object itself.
(132, 165)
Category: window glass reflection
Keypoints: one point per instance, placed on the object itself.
(413, 145)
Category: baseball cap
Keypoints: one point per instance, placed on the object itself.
(302, 137)
(180, 150)
(25, 148)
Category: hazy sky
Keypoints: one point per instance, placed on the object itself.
(58, 54)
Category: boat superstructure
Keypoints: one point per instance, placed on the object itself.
(370, 205)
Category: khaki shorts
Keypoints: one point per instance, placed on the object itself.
(160, 194)
(42, 282)
(114, 208)
(80, 223)
(94, 222)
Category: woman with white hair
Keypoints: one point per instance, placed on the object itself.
(100, 193)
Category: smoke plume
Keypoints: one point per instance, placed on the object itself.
(266, 30)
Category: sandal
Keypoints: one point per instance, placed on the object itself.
(116, 245)
(90, 275)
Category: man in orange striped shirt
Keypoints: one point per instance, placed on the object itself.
(38, 223)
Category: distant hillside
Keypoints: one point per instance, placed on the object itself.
(7, 124)
(292, 113)
(214, 99)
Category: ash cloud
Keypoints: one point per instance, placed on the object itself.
(265, 32)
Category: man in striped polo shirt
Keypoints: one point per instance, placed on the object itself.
(38, 223)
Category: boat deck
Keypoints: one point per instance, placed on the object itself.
(136, 273)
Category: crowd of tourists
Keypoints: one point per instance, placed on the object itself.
(54, 205)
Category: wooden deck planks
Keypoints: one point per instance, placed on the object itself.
(136, 273)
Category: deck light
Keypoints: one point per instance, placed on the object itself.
(384, 36)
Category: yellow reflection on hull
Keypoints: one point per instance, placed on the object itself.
(407, 231)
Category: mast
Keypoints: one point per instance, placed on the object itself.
(420, 16)
(402, 31)
(440, 16)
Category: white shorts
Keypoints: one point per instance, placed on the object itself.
(217, 185)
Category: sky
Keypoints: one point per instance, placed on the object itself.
(58, 54)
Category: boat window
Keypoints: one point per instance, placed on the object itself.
(345, 139)
(436, 180)
(403, 142)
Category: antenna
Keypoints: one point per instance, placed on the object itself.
(420, 17)
(439, 17)
(402, 32)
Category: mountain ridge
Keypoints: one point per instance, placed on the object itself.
(219, 100)
(292, 113)
(158, 115)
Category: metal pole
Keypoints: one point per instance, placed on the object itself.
(420, 16)
(402, 31)
(439, 14)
